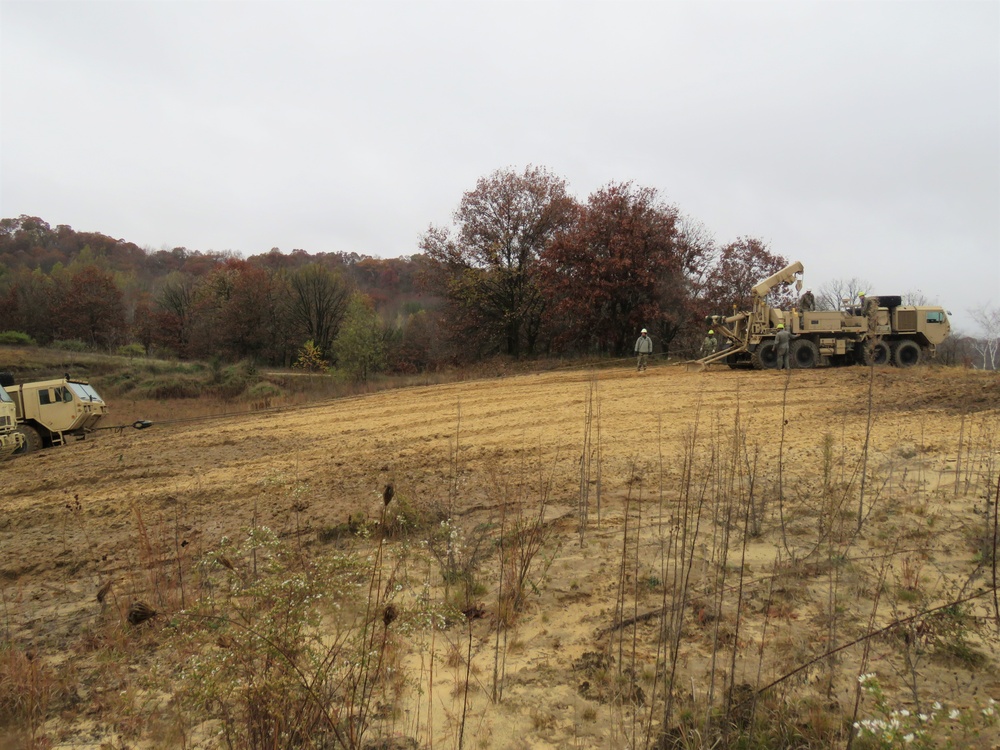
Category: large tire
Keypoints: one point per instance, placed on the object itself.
(32, 440)
(804, 354)
(6, 378)
(875, 353)
(764, 357)
(906, 353)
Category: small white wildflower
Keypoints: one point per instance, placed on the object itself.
(954, 714)
(924, 718)
(904, 713)
(937, 706)
(908, 737)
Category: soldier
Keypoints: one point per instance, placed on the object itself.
(808, 301)
(709, 345)
(643, 348)
(782, 343)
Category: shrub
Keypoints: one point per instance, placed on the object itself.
(232, 381)
(311, 358)
(265, 668)
(16, 338)
(939, 726)
(262, 394)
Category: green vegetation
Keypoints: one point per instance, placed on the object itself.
(16, 338)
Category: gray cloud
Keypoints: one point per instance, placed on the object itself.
(862, 138)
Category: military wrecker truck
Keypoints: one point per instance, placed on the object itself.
(881, 331)
(50, 411)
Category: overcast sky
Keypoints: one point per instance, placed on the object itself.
(862, 138)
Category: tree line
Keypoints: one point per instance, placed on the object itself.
(524, 269)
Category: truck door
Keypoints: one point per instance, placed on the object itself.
(55, 407)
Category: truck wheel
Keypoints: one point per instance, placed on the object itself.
(875, 353)
(6, 378)
(32, 440)
(804, 354)
(764, 357)
(906, 353)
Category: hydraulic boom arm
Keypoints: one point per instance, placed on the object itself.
(785, 276)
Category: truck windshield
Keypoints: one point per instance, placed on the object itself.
(85, 392)
(4, 396)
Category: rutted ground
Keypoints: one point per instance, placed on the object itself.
(71, 517)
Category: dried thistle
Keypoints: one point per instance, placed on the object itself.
(139, 612)
(390, 614)
(388, 493)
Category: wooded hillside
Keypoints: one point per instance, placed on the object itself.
(524, 270)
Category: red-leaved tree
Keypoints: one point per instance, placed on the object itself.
(487, 268)
(618, 270)
(741, 265)
(92, 309)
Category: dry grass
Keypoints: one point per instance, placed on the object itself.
(712, 614)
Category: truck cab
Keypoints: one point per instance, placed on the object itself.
(50, 410)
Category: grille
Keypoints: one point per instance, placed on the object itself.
(906, 320)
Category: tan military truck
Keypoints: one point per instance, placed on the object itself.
(50, 411)
(10, 439)
(882, 331)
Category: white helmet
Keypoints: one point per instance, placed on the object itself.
(643, 330)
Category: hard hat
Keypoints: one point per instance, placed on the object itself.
(861, 294)
(643, 330)
(781, 325)
(711, 331)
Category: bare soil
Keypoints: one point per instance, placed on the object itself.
(915, 451)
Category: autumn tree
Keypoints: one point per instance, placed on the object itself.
(174, 304)
(487, 266)
(318, 303)
(416, 348)
(236, 311)
(742, 265)
(206, 337)
(253, 318)
(92, 309)
(29, 304)
(618, 269)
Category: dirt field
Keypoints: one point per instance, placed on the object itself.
(728, 500)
